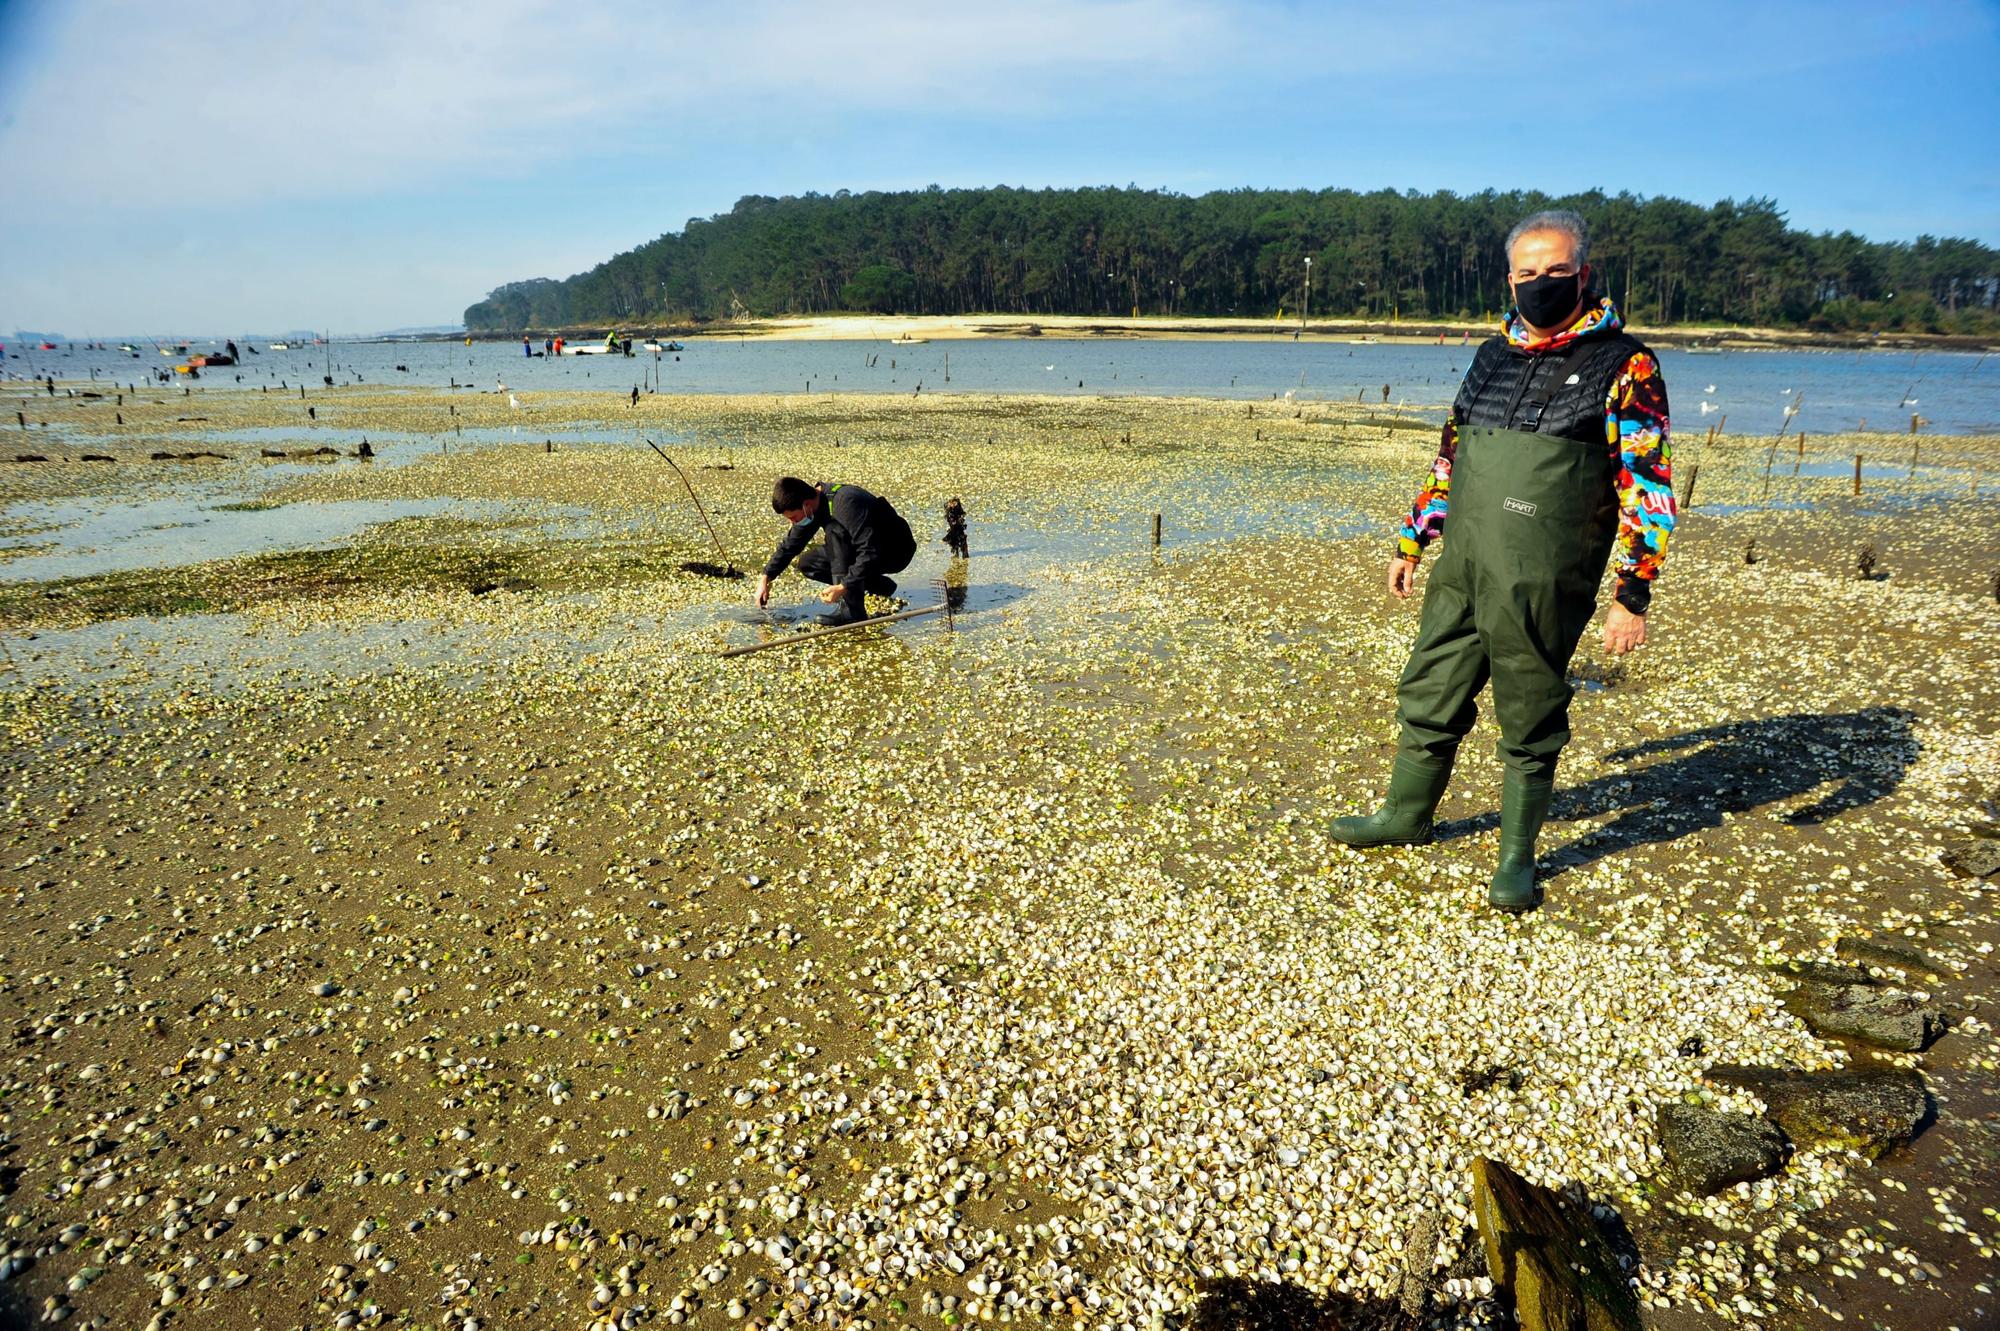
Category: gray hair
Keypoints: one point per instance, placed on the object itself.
(1565, 220)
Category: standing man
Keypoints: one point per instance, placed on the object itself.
(866, 541)
(1554, 456)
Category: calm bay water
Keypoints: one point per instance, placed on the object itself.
(1834, 390)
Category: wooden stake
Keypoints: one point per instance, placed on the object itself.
(1694, 474)
(817, 634)
(699, 510)
(1156, 531)
(1857, 473)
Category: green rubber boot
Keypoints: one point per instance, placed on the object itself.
(1524, 806)
(1415, 787)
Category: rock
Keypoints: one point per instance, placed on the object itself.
(1825, 972)
(1885, 1017)
(1549, 1255)
(1910, 960)
(1708, 1150)
(1866, 1109)
(1976, 858)
(1423, 1277)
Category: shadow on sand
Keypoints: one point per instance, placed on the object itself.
(1256, 1305)
(1729, 769)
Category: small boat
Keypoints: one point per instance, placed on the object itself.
(48, 346)
(657, 347)
(587, 350)
(126, 346)
(281, 346)
(907, 341)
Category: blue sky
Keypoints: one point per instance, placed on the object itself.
(363, 166)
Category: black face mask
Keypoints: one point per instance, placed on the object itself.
(1547, 301)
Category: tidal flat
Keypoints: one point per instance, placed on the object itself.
(422, 925)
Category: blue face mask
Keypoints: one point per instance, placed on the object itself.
(1548, 301)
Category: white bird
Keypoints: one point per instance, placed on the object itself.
(1785, 392)
(1048, 367)
(1709, 389)
(1707, 407)
(513, 402)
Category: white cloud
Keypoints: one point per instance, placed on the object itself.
(147, 106)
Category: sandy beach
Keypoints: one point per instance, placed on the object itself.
(424, 925)
(941, 328)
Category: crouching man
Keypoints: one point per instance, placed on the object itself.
(866, 541)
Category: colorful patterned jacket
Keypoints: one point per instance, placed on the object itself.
(1635, 429)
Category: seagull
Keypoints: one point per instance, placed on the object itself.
(1786, 392)
(513, 402)
(1707, 407)
(1048, 367)
(1709, 389)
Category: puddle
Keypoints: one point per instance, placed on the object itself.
(82, 538)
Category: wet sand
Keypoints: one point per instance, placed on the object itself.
(431, 927)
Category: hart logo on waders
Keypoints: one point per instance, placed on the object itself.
(1521, 506)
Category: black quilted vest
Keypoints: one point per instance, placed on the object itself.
(1552, 392)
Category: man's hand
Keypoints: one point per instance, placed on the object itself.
(1623, 630)
(834, 595)
(1402, 577)
(763, 590)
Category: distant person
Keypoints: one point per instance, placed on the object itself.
(635, 395)
(954, 530)
(1553, 457)
(866, 541)
(527, 348)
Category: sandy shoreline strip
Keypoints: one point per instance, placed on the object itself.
(909, 329)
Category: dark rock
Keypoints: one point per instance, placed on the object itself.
(29, 457)
(1708, 1150)
(1888, 1018)
(98, 457)
(1900, 956)
(1977, 858)
(1864, 1109)
(1420, 1253)
(1826, 972)
(1423, 1276)
(1549, 1255)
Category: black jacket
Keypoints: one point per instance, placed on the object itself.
(863, 533)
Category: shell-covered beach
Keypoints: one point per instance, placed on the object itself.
(414, 921)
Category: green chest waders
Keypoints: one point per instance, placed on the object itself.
(1528, 531)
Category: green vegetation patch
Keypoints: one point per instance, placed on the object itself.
(414, 554)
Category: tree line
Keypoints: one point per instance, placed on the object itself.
(1244, 253)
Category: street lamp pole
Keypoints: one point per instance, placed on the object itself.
(1307, 306)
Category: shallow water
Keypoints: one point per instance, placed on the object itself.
(80, 538)
(1834, 390)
